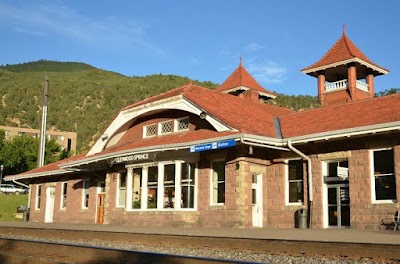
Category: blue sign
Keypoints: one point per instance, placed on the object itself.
(214, 145)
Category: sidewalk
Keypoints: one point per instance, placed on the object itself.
(323, 235)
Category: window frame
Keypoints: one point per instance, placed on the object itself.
(160, 188)
(119, 188)
(145, 128)
(38, 196)
(372, 173)
(178, 121)
(63, 196)
(85, 188)
(288, 181)
(214, 202)
(160, 127)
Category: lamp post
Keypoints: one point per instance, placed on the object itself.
(1, 173)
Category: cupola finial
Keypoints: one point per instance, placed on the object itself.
(344, 29)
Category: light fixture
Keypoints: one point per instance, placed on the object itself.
(104, 137)
(250, 150)
(203, 115)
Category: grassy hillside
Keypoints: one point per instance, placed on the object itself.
(84, 99)
(9, 204)
(81, 98)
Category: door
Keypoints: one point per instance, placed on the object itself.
(257, 211)
(100, 208)
(338, 205)
(49, 210)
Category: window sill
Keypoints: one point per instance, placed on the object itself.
(295, 204)
(384, 201)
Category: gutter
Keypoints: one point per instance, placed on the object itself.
(20, 183)
(310, 186)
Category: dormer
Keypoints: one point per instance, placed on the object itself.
(240, 83)
(344, 74)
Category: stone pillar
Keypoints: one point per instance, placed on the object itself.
(129, 180)
(351, 80)
(371, 87)
(321, 87)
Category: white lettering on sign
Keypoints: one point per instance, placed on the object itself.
(131, 158)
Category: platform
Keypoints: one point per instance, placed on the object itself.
(322, 235)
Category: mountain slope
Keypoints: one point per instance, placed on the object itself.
(81, 98)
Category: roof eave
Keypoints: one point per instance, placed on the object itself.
(346, 133)
(332, 65)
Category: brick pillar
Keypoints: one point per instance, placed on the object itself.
(351, 80)
(321, 87)
(371, 87)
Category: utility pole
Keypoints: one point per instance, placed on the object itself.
(42, 145)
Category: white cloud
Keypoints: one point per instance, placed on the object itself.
(269, 72)
(54, 18)
(253, 47)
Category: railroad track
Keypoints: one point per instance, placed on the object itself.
(331, 250)
(17, 251)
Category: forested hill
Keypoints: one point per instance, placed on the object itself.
(83, 98)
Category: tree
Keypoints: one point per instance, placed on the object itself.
(20, 154)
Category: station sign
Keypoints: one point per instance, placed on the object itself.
(214, 145)
(133, 158)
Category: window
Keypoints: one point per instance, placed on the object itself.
(187, 185)
(295, 174)
(137, 188)
(38, 196)
(21, 133)
(150, 130)
(152, 185)
(121, 189)
(60, 137)
(182, 124)
(169, 186)
(8, 133)
(85, 194)
(383, 172)
(63, 195)
(218, 182)
(165, 127)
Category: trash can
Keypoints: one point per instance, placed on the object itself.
(302, 218)
(25, 215)
(25, 212)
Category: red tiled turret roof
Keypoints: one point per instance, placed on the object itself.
(242, 78)
(344, 49)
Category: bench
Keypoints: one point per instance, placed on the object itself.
(396, 220)
(391, 222)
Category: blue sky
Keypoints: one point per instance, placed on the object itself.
(202, 40)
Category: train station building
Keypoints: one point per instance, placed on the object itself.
(196, 157)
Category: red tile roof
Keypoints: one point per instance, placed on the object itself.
(344, 49)
(188, 137)
(367, 112)
(167, 94)
(241, 77)
(238, 113)
(51, 167)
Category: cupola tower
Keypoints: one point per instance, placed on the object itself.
(344, 73)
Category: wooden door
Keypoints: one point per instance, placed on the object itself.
(100, 208)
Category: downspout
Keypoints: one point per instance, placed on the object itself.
(309, 172)
(26, 186)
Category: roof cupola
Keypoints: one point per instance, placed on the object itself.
(344, 73)
(240, 83)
